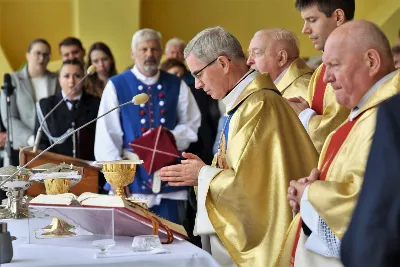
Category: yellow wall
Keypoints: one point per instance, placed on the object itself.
(183, 18)
(111, 21)
(241, 17)
(24, 20)
(391, 28)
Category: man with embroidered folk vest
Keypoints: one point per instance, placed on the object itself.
(171, 105)
(276, 51)
(362, 80)
(242, 212)
(319, 112)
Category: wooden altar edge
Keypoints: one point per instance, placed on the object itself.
(89, 182)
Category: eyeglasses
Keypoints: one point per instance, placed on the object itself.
(196, 73)
(255, 53)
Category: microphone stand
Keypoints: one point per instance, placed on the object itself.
(63, 138)
(40, 130)
(9, 92)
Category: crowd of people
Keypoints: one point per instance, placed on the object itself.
(275, 153)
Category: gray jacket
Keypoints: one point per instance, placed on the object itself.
(22, 106)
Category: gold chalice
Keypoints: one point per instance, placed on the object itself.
(58, 180)
(119, 173)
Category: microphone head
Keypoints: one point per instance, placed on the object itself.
(91, 69)
(140, 99)
(7, 79)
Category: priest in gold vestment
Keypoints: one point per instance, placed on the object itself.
(319, 112)
(362, 80)
(276, 51)
(242, 207)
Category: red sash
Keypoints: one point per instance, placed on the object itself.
(335, 143)
(318, 99)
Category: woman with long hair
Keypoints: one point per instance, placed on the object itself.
(102, 58)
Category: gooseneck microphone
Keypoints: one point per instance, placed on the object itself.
(8, 89)
(137, 100)
(7, 85)
(91, 70)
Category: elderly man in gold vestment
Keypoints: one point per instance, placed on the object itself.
(319, 112)
(242, 207)
(362, 79)
(276, 51)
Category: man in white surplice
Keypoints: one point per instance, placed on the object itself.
(171, 105)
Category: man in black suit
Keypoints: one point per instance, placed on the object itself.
(373, 237)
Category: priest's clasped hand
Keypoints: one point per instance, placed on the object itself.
(184, 174)
(298, 104)
(296, 189)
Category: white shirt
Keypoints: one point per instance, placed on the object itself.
(40, 87)
(203, 225)
(279, 78)
(311, 218)
(109, 135)
(69, 105)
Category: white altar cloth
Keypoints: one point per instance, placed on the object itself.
(182, 253)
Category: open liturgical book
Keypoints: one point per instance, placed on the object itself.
(135, 218)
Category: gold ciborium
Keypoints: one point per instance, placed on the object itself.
(59, 179)
(119, 173)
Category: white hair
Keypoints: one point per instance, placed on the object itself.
(213, 42)
(145, 35)
(174, 41)
(280, 34)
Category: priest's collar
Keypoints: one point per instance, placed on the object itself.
(144, 79)
(233, 95)
(364, 99)
(279, 78)
(65, 98)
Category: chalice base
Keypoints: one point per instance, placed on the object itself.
(4, 213)
(16, 208)
(58, 228)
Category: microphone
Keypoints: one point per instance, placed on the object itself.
(137, 100)
(8, 90)
(91, 70)
(7, 85)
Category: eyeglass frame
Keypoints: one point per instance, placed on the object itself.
(196, 73)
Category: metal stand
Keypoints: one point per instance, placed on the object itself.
(16, 208)
(8, 89)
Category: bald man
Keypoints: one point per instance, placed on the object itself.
(276, 51)
(174, 49)
(362, 80)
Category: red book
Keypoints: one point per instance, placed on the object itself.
(157, 149)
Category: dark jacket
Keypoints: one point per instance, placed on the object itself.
(62, 119)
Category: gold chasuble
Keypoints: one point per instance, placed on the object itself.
(342, 165)
(295, 81)
(330, 114)
(267, 147)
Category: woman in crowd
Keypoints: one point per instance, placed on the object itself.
(174, 66)
(78, 108)
(32, 83)
(102, 58)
